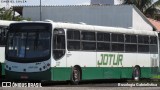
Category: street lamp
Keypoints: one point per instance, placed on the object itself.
(40, 11)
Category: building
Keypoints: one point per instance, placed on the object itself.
(106, 2)
(125, 16)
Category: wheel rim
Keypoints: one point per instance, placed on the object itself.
(136, 74)
(76, 75)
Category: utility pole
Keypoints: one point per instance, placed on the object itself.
(40, 11)
(7, 4)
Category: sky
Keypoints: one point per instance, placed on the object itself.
(45, 2)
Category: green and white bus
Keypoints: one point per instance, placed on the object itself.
(54, 51)
(4, 24)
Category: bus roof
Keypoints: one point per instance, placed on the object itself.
(104, 29)
(6, 23)
(96, 28)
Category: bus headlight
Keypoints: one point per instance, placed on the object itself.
(6, 66)
(44, 67)
(40, 69)
(9, 68)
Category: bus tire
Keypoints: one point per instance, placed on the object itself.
(75, 76)
(136, 73)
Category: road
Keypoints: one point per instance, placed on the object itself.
(84, 88)
(90, 85)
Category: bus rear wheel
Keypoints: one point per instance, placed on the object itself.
(136, 73)
(75, 78)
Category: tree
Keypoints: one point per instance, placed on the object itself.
(1, 12)
(9, 14)
(147, 7)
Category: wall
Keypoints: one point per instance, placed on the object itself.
(139, 21)
(125, 16)
(116, 16)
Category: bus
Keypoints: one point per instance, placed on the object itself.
(3, 32)
(56, 51)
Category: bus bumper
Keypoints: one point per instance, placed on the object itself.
(28, 76)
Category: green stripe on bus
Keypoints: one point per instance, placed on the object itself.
(63, 73)
(43, 75)
(3, 69)
(106, 73)
(88, 73)
(146, 72)
(156, 73)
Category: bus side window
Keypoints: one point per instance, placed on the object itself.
(103, 41)
(73, 39)
(143, 44)
(153, 40)
(58, 43)
(131, 43)
(153, 47)
(88, 39)
(117, 42)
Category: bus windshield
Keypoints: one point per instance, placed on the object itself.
(28, 44)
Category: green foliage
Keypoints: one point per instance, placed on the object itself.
(147, 7)
(9, 14)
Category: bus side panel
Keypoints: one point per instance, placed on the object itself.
(116, 65)
(106, 73)
(154, 64)
(146, 72)
(128, 63)
(45, 75)
(126, 72)
(112, 73)
(87, 61)
(89, 73)
(144, 61)
(61, 73)
(110, 63)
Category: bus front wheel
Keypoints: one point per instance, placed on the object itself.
(75, 77)
(136, 73)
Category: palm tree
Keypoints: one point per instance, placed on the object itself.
(1, 12)
(9, 14)
(147, 7)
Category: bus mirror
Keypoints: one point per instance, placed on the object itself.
(158, 34)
